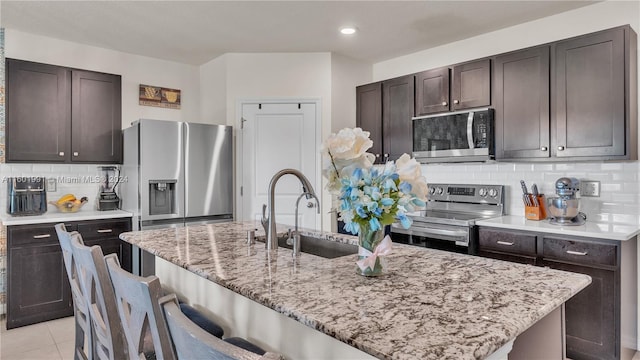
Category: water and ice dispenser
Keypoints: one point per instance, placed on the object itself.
(162, 197)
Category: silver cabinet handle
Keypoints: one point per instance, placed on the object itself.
(444, 103)
(544, 148)
(377, 155)
(507, 243)
(456, 101)
(103, 231)
(75, 153)
(579, 253)
(43, 236)
(560, 148)
(61, 153)
(386, 156)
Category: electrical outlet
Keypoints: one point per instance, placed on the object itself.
(589, 188)
(51, 185)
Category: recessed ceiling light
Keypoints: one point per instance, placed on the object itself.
(348, 30)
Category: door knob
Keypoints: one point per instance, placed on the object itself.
(544, 148)
(560, 148)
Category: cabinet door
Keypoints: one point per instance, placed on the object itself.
(432, 91)
(521, 102)
(38, 112)
(397, 111)
(592, 327)
(38, 287)
(96, 117)
(369, 114)
(589, 114)
(471, 86)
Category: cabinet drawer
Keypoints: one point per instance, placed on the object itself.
(580, 252)
(25, 235)
(507, 242)
(103, 229)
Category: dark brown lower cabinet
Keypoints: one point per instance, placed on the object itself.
(595, 325)
(37, 284)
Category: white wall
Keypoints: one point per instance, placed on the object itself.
(584, 20)
(135, 70)
(346, 74)
(213, 91)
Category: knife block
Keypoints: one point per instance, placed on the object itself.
(536, 212)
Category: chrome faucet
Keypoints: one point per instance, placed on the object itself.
(296, 232)
(269, 223)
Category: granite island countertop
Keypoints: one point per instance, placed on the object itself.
(431, 305)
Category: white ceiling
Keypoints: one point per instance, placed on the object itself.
(195, 32)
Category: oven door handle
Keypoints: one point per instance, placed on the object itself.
(430, 231)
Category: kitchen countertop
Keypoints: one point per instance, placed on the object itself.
(54, 216)
(590, 229)
(432, 304)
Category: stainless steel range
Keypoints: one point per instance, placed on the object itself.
(448, 223)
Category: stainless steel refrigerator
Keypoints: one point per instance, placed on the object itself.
(177, 173)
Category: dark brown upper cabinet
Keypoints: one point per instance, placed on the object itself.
(369, 114)
(521, 103)
(96, 117)
(38, 122)
(385, 110)
(593, 78)
(463, 86)
(62, 115)
(432, 91)
(397, 111)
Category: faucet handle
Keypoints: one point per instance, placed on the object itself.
(264, 220)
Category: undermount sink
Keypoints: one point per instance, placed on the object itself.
(321, 247)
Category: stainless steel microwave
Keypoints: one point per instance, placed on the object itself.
(454, 137)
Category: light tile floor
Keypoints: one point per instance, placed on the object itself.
(51, 340)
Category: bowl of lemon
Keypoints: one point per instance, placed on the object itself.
(69, 203)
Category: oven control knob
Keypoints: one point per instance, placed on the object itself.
(482, 192)
(432, 190)
(493, 193)
(439, 191)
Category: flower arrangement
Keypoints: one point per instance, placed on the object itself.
(369, 197)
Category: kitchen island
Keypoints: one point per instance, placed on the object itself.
(431, 304)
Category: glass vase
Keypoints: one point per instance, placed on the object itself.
(367, 241)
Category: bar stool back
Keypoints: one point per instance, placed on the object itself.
(191, 342)
(139, 314)
(80, 308)
(95, 284)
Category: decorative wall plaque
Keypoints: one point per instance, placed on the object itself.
(159, 97)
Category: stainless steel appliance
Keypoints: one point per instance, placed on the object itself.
(564, 209)
(177, 174)
(448, 223)
(454, 137)
(26, 196)
(108, 198)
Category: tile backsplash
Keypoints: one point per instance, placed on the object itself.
(80, 180)
(619, 200)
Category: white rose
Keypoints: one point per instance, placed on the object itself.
(348, 144)
(409, 170)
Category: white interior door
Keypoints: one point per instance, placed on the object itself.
(276, 136)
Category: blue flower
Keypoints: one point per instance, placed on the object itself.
(405, 187)
(404, 220)
(374, 224)
(360, 211)
(387, 201)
